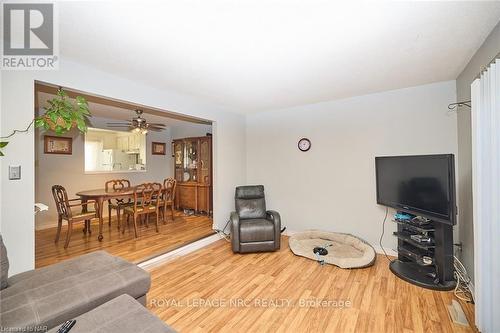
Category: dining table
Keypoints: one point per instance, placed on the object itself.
(101, 195)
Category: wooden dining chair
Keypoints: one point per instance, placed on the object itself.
(117, 204)
(168, 197)
(64, 211)
(147, 198)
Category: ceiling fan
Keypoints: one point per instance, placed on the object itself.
(138, 124)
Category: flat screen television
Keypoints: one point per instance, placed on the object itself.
(423, 185)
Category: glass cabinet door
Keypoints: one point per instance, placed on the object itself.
(179, 160)
(204, 161)
(190, 163)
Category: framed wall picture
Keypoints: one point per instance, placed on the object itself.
(57, 145)
(158, 148)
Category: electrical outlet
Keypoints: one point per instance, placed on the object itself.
(14, 172)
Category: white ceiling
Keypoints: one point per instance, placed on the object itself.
(255, 55)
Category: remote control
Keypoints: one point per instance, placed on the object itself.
(66, 326)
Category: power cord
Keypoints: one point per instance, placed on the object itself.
(382, 235)
(462, 290)
(222, 233)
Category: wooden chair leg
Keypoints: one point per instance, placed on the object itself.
(123, 228)
(157, 221)
(172, 210)
(68, 235)
(89, 230)
(118, 211)
(59, 225)
(109, 215)
(135, 225)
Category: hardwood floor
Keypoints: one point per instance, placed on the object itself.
(173, 234)
(200, 293)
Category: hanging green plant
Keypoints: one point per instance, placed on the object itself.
(60, 116)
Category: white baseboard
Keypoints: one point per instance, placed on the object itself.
(182, 251)
(390, 252)
(289, 232)
(377, 248)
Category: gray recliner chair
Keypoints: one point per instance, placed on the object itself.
(253, 229)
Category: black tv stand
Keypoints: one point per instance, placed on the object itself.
(411, 266)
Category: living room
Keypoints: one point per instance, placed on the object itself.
(302, 98)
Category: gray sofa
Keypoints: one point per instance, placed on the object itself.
(51, 295)
(253, 229)
(122, 314)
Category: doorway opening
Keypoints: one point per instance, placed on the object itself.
(133, 144)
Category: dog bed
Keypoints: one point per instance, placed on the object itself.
(344, 250)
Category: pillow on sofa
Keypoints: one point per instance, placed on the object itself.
(4, 265)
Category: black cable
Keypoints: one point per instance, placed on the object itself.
(223, 231)
(18, 131)
(382, 235)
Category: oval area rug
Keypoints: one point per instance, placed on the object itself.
(344, 250)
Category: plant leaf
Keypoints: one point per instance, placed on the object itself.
(81, 101)
(53, 116)
(2, 145)
(82, 127)
(39, 122)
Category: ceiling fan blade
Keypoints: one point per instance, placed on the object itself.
(128, 123)
(157, 124)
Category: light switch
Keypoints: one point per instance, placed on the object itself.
(14, 172)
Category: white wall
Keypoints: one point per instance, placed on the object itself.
(332, 187)
(17, 106)
(68, 170)
(190, 130)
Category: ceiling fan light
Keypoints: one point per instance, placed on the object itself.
(137, 129)
(144, 131)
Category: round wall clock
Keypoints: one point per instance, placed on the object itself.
(304, 144)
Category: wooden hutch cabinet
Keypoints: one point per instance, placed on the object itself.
(193, 173)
